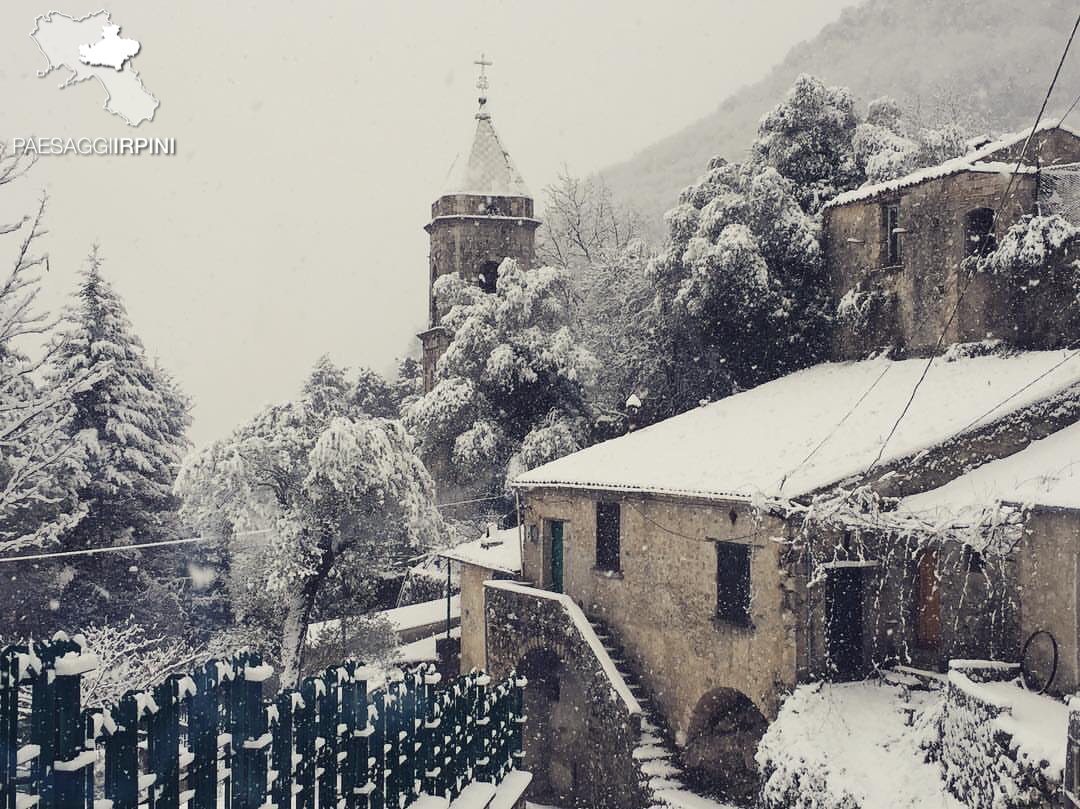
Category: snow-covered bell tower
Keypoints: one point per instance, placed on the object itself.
(484, 215)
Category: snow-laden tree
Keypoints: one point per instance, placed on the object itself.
(583, 224)
(891, 143)
(409, 385)
(343, 492)
(612, 315)
(807, 138)
(134, 411)
(510, 390)
(741, 296)
(598, 240)
(42, 454)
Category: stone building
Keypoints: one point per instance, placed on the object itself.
(694, 552)
(495, 556)
(897, 252)
(678, 581)
(484, 216)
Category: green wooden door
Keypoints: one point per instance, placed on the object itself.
(556, 557)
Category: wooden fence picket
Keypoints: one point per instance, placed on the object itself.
(210, 739)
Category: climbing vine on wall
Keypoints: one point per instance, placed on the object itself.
(859, 526)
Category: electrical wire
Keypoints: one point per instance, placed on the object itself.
(1020, 390)
(112, 548)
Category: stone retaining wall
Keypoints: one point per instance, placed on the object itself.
(981, 765)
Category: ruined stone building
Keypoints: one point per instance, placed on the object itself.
(896, 252)
(677, 582)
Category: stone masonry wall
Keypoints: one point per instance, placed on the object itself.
(923, 289)
(977, 602)
(1049, 590)
(661, 604)
(980, 767)
(518, 624)
(468, 233)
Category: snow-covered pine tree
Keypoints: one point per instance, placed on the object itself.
(135, 416)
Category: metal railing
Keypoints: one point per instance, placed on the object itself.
(210, 739)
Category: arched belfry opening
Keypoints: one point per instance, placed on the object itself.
(489, 276)
(483, 215)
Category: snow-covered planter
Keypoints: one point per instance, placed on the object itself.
(993, 757)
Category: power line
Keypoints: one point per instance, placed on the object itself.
(1069, 110)
(835, 429)
(1020, 390)
(474, 500)
(971, 272)
(112, 548)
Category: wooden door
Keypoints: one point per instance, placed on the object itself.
(927, 601)
(556, 557)
(844, 617)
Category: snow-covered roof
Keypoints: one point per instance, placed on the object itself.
(1046, 473)
(973, 161)
(487, 170)
(810, 429)
(501, 551)
(402, 619)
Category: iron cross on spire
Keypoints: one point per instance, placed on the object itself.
(482, 81)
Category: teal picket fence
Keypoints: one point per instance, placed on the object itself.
(211, 738)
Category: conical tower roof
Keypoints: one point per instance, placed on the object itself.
(487, 170)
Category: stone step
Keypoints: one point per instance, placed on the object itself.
(660, 768)
(651, 752)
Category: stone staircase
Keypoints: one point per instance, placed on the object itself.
(657, 755)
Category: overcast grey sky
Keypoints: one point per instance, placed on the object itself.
(312, 139)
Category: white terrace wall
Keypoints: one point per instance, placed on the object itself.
(662, 602)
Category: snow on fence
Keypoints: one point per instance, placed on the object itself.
(210, 739)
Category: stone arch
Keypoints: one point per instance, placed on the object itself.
(722, 738)
(556, 742)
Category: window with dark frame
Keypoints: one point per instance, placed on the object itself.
(890, 215)
(979, 232)
(607, 536)
(733, 583)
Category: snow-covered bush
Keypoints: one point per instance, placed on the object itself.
(368, 638)
(129, 658)
(1031, 246)
(866, 316)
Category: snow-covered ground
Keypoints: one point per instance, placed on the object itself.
(850, 744)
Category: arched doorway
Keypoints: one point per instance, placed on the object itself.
(724, 732)
(555, 737)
